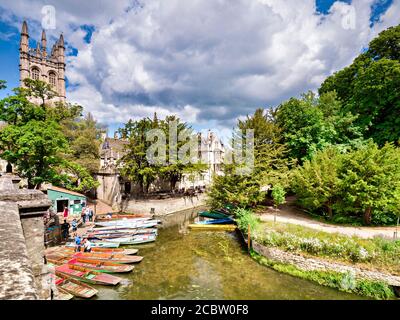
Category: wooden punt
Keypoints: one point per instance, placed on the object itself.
(107, 250)
(107, 237)
(128, 223)
(122, 216)
(75, 287)
(119, 231)
(118, 258)
(133, 240)
(101, 266)
(213, 214)
(215, 227)
(97, 245)
(87, 275)
(62, 294)
(217, 221)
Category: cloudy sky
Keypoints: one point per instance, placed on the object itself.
(208, 61)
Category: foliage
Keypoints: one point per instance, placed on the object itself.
(317, 182)
(370, 87)
(381, 254)
(83, 135)
(139, 168)
(310, 124)
(270, 165)
(374, 289)
(246, 218)
(34, 142)
(278, 195)
(3, 84)
(362, 182)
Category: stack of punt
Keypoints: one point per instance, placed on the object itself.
(118, 258)
(86, 275)
(101, 266)
(74, 287)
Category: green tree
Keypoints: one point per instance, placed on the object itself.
(310, 124)
(3, 84)
(270, 165)
(370, 88)
(135, 164)
(317, 183)
(33, 141)
(83, 135)
(371, 180)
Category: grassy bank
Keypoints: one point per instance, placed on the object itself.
(377, 253)
(340, 281)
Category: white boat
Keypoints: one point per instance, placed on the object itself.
(99, 244)
(133, 240)
(128, 223)
(132, 231)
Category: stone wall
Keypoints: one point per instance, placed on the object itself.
(163, 206)
(23, 274)
(16, 275)
(309, 264)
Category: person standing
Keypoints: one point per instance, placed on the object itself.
(65, 229)
(87, 246)
(65, 212)
(87, 213)
(74, 224)
(78, 242)
(90, 214)
(83, 216)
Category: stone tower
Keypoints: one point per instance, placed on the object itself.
(36, 63)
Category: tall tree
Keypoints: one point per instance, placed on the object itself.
(370, 87)
(33, 140)
(270, 164)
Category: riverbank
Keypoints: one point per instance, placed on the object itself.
(369, 267)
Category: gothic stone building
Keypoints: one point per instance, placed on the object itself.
(37, 64)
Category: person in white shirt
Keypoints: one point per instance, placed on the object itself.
(87, 246)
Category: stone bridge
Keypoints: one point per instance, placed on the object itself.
(23, 274)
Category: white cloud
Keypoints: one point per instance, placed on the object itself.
(205, 60)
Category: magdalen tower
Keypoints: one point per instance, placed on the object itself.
(37, 64)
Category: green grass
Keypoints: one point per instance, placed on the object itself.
(377, 253)
(340, 281)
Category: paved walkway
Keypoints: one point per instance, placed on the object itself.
(290, 214)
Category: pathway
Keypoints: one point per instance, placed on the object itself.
(289, 213)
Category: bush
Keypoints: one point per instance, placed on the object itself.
(244, 218)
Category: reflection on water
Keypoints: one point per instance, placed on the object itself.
(208, 265)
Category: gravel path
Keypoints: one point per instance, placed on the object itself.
(290, 214)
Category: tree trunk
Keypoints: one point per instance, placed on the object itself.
(368, 216)
(330, 212)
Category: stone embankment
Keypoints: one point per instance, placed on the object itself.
(163, 206)
(311, 264)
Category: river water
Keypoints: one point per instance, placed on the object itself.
(184, 264)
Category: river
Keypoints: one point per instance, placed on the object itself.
(184, 264)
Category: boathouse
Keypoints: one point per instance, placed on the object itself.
(61, 198)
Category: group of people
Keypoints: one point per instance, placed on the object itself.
(86, 215)
(79, 242)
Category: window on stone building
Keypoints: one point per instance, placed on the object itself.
(35, 74)
(52, 79)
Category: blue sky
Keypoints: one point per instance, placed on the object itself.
(210, 63)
